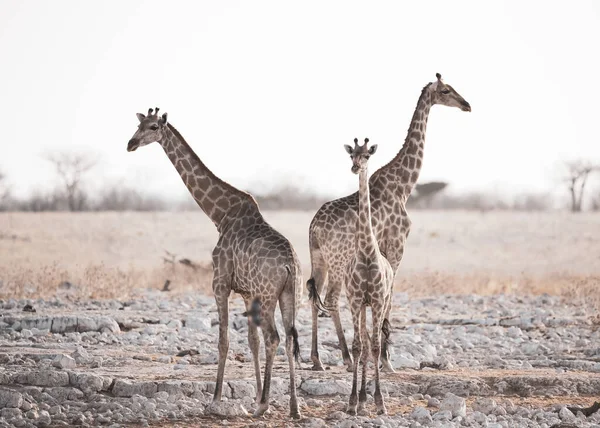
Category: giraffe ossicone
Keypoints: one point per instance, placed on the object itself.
(250, 258)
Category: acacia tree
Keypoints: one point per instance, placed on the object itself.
(71, 168)
(4, 191)
(575, 177)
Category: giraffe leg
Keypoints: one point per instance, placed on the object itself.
(378, 313)
(271, 338)
(332, 301)
(222, 299)
(287, 303)
(317, 281)
(254, 342)
(356, 351)
(364, 359)
(386, 365)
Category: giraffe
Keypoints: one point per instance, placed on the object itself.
(332, 229)
(250, 258)
(368, 280)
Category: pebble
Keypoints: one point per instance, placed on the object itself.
(71, 387)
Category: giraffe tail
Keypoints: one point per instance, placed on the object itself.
(254, 312)
(293, 331)
(386, 330)
(313, 296)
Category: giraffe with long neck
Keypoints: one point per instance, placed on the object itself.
(368, 281)
(250, 258)
(332, 230)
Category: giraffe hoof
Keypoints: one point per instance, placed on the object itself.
(386, 367)
(382, 411)
(350, 368)
(262, 409)
(295, 415)
(351, 411)
(318, 367)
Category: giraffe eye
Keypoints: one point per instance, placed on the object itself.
(154, 127)
(367, 157)
(446, 91)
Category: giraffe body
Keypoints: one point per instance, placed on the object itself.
(368, 280)
(333, 228)
(250, 258)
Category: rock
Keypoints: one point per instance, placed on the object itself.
(198, 323)
(10, 398)
(326, 387)
(443, 415)
(314, 423)
(456, 405)
(26, 333)
(124, 388)
(44, 419)
(11, 413)
(87, 382)
(421, 415)
(433, 402)
(566, 415)
(400, 361)
(62, 361)
(484, 405)
(43, 378)
(242, 388)
(226, 409)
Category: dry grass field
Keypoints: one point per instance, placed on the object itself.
(111, 254)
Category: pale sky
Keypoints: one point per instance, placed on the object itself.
(270, 91)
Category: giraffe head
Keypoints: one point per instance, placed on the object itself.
(446, 95)
(150, 129)
(360, 155)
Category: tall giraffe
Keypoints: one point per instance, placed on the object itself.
(250, 258)
(332, 229)
(369, 278)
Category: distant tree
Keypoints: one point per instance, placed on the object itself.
(118, 198)
(425, 192)
(71, 168)
(4, 192)
(575, 176)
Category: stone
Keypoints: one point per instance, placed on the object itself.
(198, 323)
(242, 388)
(484, 405)
(421, 415)
(457, 405)
(43, 419)
(43, 378)
(326, 387)
(10, 398)
(226, 409)
(62, 361)
(566, 415)
(314, 423)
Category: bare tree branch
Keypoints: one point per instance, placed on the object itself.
(70, 168)
(576, 173)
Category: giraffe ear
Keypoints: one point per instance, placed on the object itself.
(373, 149)
(163, 119)
(348, 148)
(140, 116)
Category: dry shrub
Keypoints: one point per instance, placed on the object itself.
(580, 289)
(98, 281)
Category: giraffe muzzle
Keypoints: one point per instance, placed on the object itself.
(132, 145)
(465, 106)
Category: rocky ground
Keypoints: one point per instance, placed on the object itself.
(497, 361)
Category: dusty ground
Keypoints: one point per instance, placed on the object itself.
(482, 336)
(447, 251)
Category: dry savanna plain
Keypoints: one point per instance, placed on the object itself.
(108, 319)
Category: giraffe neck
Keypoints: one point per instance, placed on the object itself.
(214, 196)
(406, 166)
(365, 238)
